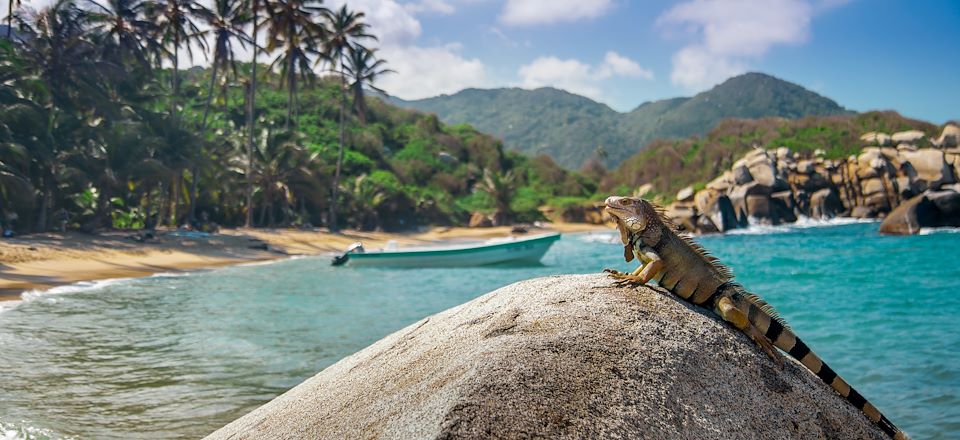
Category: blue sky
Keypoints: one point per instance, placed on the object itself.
(865, 54)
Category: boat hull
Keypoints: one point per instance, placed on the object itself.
(525, 251)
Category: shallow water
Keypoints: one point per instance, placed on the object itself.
(177, 356)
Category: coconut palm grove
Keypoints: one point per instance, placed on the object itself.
(102, 128)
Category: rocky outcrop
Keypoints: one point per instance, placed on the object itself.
(949, 137)
(932, 209)
(560, 357)
(779, 186)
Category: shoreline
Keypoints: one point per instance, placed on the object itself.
(44, 261)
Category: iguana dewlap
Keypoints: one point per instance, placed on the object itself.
(681, 266)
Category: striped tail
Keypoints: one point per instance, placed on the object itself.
(784, 339)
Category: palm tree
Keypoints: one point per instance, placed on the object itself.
(362, 69)
(61, 56)
(128, 32)
(11, 5)
(59, 81)
(174, 25)
(281, 169)
(254, 7)
(226, 20)
(500, 188)
(367, 197)
(292, 28)
(346, 30)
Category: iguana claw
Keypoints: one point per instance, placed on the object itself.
(624, 279)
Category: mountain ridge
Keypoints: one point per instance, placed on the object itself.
(574, 129)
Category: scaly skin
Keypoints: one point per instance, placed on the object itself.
(681, 266)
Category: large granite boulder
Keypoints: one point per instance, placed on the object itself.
(949, 137)
(927, 168)
(875, 138)
(560, 357)
(932, 209)
(825, 204)
(741, 173)
(684, 215)
(722, 182)
(716, 208)
(762, 167)
(909, 136)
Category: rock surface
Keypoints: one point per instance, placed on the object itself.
(932, 209)
(560, 357)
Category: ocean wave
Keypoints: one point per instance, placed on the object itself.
(802, 222)
(80, 286)
(600, 237)
(11, 431)
(9, 305)
(943, 230)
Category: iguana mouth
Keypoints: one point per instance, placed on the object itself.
(615, 209)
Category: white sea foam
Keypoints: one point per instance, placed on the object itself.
(169, 274)
(82, 286)
(944, 230)
(600, 237)
(9, 305)
(290, 257)
(9, 431)
(802, 222)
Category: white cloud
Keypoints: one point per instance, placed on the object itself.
(430, 6)
(428, 71)
(420, 71)
(388, 20)
(570, 75)
(730, 33)
(577, 77)
(534, 12)
(616, 64)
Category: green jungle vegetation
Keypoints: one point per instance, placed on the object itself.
(575, 130)
(670, 165)
(99, 127)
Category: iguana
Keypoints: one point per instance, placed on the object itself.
(681, 266)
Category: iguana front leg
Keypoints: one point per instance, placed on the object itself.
(625, 279)
(652, 265)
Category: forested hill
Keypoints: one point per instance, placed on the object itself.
(572, 129)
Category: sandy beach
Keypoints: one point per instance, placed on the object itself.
(42, 261)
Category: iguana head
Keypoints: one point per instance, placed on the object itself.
(636, 220)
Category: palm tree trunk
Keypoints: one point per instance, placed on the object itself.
(251, 120)
(291, 91)
(206, 107)
(332, 221)
(148, 201)
(176, 77)
(194, 180)
(163, 200)
(177, 188)
(289, 103)
(44, 205)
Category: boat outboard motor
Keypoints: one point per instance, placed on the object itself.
(340, 260)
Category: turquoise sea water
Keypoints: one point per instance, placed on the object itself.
(177, 356)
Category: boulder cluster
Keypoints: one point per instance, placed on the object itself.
(779, 186)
